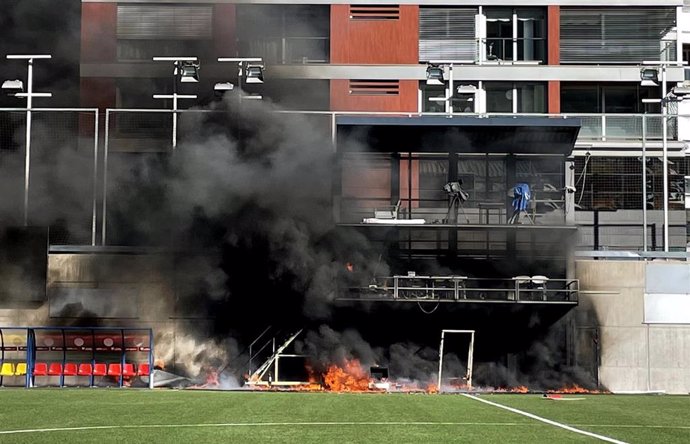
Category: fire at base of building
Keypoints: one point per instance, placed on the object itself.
(463, 223)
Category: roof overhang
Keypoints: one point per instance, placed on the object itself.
(440, 134)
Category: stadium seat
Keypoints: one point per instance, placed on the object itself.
(70, 369)
(55, 369)
(114, 369)
(40, 369)
(84, 370)
(143, 369)
(20, 369)
(7, 369)
(99, 369)
(128, 370)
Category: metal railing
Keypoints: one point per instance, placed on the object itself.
(628, 237)
(519, 289)
(595, 126)
(138, 131)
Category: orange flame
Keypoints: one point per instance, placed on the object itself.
(349, 378)
(574, 388)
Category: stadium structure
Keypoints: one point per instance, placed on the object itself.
(517, 169)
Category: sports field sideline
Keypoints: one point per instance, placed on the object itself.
(114, 415)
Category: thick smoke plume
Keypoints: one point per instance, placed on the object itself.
(244, 208)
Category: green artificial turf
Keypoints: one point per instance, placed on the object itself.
(245, 417)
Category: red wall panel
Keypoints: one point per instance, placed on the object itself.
(553, 22)
(224, 30)
(554, 97)
(374, 41)
(342, 100)
(97, 92)
(98, 32)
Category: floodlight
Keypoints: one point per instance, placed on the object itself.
(681, 91)
(649, 76)
(434, 75)
(255, 74)
(223, 87)
(467, 89)
(12, 87)
(189, 72)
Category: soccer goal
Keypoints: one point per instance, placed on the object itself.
(470, 355)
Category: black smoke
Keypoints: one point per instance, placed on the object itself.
(42, 27)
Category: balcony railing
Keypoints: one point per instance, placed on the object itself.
(520, 289)
(618, 127)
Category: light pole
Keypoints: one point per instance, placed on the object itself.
(186, 70)
(649, 76)
(14, 85)
(435, 75)
(251, 68)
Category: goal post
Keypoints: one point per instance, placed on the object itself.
(470, 355)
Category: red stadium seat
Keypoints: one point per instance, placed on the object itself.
(114, 369)
(84, 370)
(99, 369)
(70, 369)
(55, 369)
(128, 370)
(143, 369)
(40, 369)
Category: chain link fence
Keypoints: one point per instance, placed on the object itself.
(62, 172)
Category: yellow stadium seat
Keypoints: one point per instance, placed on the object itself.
(20, 369)
(7, 369)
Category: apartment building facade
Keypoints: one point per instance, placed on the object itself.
(529, 57)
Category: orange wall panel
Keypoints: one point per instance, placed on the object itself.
(553, 22)
(98, 32)
(374, 41)
(405, 191)
(342, 100)
(362, 180)
(554, 97)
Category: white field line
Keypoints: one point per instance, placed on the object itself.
(340, 423)
(266, 424)
(547, 421)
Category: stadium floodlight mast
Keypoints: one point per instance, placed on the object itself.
(16, 89)
(649, 76)
(186, 71)
(436, 76)
(249, 68)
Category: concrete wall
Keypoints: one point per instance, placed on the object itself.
(633, 356)
(96, 286)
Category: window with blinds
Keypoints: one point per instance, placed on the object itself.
(374, 87)
(447, 34)
(164, 22)
(615, 35)
(374, 12)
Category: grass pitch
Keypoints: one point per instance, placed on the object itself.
(114, 415)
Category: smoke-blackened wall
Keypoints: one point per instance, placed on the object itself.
(42, 27)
